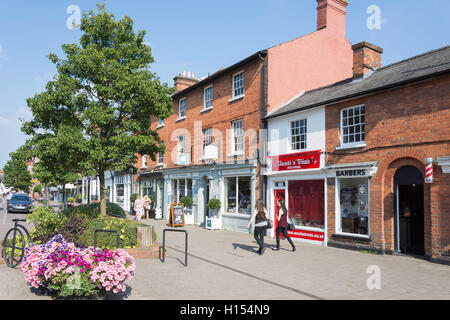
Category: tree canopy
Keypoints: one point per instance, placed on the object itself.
(96, 112)
(16, 173)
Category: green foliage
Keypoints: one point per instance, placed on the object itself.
(79, 198)
(71, 200)
(95, 115)
(126, 228)
(16, 173)
(214, 204)
(133, 197)
(38, 188)
(93, 210)
(187, 201)
(46, 223)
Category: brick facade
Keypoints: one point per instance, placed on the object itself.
(404, 126)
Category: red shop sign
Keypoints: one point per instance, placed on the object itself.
(297, 161)
(307, 235)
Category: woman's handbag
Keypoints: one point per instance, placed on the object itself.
(269, 224)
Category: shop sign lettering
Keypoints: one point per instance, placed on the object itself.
(351, 173)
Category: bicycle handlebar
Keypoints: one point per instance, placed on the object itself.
(19, 220)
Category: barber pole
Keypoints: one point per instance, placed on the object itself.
(429, 178)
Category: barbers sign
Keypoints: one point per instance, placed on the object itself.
(351, 173)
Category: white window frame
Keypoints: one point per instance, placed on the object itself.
(207, 139)
(181, 141)
(145, 161)
(238, 88)
(207, 99)
(161, 123)
(354, 144)
(182, 116)
(236, 209)
(291, 142)
(161, 157)
(235, 143)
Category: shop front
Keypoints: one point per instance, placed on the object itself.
(352, 205)
(234, 185)
(299, 180)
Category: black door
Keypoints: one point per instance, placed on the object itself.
(410, 216)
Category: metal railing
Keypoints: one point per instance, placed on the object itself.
(164, 246)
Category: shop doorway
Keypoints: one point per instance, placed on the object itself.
(409, 211)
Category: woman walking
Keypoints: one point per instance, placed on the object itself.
(282, 216)
(260, 218)
(139, 208)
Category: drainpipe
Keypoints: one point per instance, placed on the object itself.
(264, 113)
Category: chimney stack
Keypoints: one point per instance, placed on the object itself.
(331, 15)
(366, 58)
(184, 80)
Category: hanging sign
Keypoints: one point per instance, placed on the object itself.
(177, 217)
(297, 161)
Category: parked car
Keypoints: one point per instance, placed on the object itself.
(20, 202)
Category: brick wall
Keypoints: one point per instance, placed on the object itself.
(403, 127)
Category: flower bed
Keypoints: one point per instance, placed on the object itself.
(69, 271)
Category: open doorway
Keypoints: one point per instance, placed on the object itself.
(409, 213)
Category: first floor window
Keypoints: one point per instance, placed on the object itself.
(354, 209)
(161, 158)
(144, 161)
(298, 135)
(208, 98)
(238, 195)
(182, 109)
(207, 138)
(306, 203)
(353, 125)
(238, 136)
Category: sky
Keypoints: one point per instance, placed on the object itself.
(199, 36)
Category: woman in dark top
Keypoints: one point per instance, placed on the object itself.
(260, 218)
(282, 216)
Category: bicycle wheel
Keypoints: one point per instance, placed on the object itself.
(14, 247)
(26, 233)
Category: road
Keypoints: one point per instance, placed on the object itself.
(6, 219)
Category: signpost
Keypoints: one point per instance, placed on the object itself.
(177, 217)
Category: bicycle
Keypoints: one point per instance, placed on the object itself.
(16, 243)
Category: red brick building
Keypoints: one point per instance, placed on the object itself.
(387, 153)
(212, 140)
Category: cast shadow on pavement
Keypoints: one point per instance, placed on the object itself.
(119, 296)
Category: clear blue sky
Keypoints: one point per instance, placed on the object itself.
(200, 36)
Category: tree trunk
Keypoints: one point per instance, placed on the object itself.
(102, 193)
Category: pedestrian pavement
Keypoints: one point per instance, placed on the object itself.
(223, 265)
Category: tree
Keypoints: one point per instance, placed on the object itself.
(16, 173)
(105, 94)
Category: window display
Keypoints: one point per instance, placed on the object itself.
(120, 193)
(238, 195)
(306, 203)
(354, 209)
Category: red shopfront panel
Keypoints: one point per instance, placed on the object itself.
(306, 205)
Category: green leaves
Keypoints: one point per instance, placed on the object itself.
(95, 114)
(16, 171)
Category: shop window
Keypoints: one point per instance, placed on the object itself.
(354, 209)
(306, 203)
(182, 188)
(238, 195)
(120, 193)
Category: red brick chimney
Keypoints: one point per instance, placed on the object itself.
(366, 58)
(331, 14)
(184, 80)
